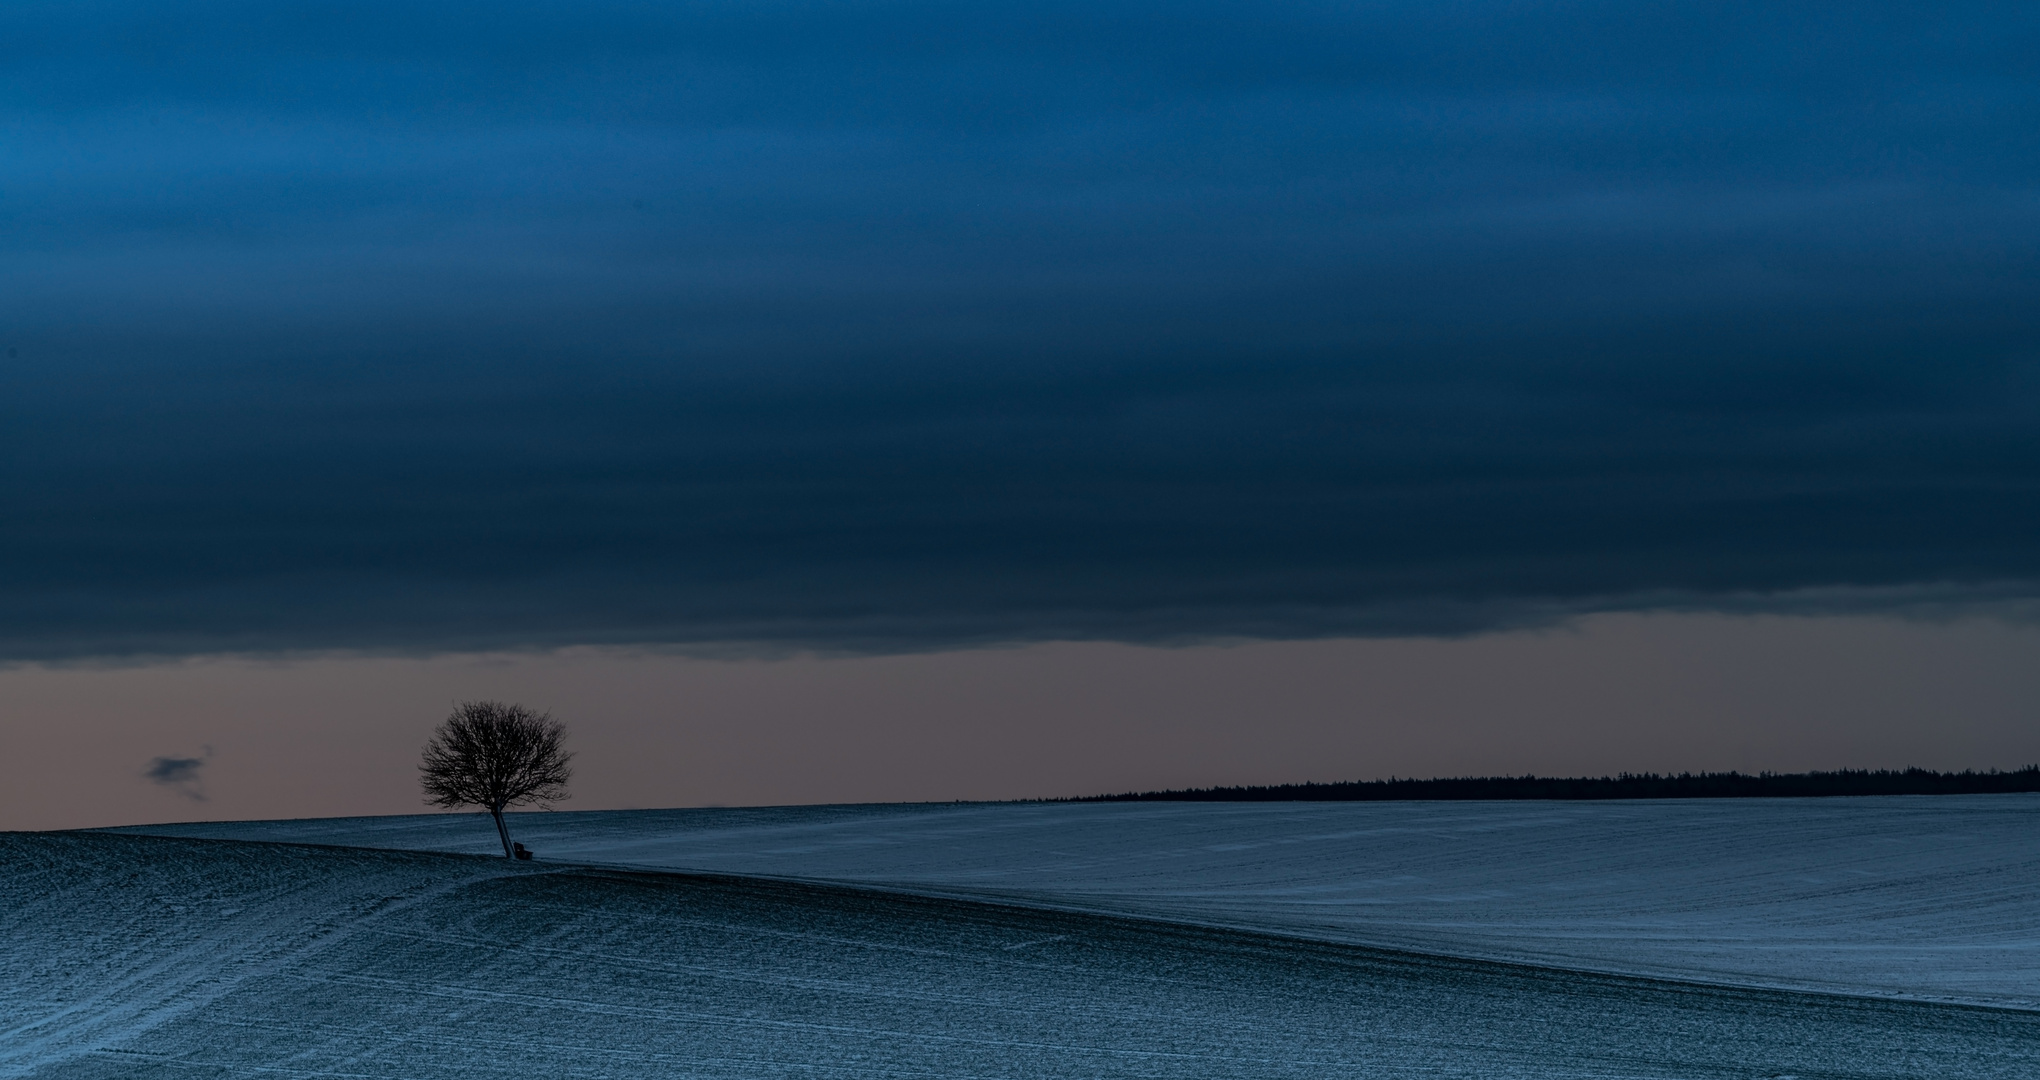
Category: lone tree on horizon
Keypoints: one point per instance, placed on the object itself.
(493, 755)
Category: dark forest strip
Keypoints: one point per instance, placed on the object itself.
(1704, 785)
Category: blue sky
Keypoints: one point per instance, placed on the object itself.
(869, 326)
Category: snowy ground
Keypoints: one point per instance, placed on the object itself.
(1926, 898)
(131, 956)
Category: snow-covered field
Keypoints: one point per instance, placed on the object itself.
(156, 955)
(1917, 897)
(143, 956)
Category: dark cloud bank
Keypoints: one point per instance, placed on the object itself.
(431, 326)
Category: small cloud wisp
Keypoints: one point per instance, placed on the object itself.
(181, 775)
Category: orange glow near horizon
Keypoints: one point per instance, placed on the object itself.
(332, 736)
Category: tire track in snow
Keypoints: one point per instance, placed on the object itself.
(265, 931)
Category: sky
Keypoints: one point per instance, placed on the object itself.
(237, 738)
(741, 337)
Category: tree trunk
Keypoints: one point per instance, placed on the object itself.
(502, 830)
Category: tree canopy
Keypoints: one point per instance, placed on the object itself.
(494, 755)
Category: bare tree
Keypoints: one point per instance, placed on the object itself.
(493, 755)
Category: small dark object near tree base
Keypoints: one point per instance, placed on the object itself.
(522, 851)
(493, 755)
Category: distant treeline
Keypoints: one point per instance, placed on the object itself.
(1723, 785)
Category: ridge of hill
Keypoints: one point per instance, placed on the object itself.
(1913, 898)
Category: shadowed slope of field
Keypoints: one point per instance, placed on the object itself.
(1905, 897)
(132, 956)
